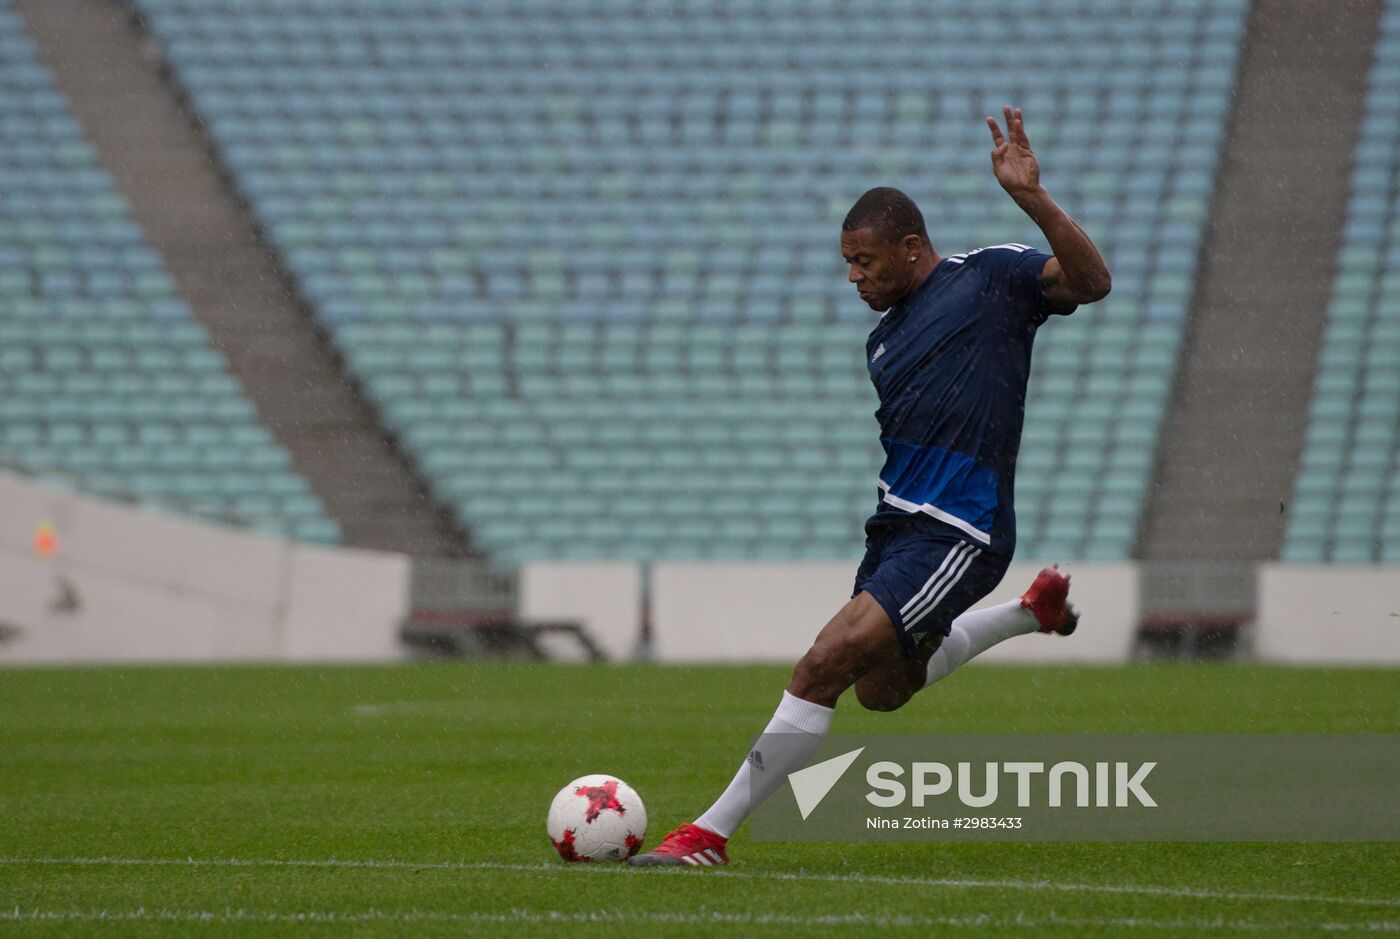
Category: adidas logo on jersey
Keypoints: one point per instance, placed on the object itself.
(878, 352)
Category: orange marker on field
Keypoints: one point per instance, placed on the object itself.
(45, 539)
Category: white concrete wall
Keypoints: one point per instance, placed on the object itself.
(157, 587)
(722, 612)
(344, 603)
(604, 597)
(1335, 615)
(151, 586)
(743, 612)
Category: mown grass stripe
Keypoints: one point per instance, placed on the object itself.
(813, 876)
(1000, 922)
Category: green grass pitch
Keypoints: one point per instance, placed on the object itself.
(410, 800)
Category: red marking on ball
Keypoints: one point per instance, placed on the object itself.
(634, 844)
(565, 847)
(600, 799)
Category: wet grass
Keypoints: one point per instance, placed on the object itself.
(410, 800)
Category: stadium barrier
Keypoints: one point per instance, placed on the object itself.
(721, 612)
(604, 598)
(1328, 614)
(83, 579)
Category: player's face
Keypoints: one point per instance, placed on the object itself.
(878, 267)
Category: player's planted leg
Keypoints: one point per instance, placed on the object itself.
(860, 637)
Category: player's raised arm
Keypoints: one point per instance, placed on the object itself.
(1077, 273)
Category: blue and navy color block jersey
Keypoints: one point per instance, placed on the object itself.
(950, 362)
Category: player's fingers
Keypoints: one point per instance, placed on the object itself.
(1019, 133)
(997, 138)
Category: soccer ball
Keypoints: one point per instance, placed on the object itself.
(597, 818)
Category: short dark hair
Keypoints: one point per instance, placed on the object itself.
(888, 212)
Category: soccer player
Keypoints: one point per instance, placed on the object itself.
(950, 358)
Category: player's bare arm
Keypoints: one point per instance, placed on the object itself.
(1077, 273)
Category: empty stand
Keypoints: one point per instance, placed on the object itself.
(584, 256)
(232, 281)
(104, 375)
(1346, 503)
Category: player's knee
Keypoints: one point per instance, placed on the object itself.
(811, 675)
(824, 672)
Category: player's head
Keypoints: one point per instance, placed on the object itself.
(883, 239)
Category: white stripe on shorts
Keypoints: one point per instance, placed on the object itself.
(948, 561)
(956, 575)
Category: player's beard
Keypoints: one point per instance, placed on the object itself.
(876, 301)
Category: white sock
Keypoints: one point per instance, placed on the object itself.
(789, 740)
(975, 632)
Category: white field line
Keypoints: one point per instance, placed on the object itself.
(556, 868)
(1000, 922)
(463, 707)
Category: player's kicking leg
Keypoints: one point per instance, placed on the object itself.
(1044, 607)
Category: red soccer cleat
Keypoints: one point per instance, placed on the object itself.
(1048, 599)
(688, 844)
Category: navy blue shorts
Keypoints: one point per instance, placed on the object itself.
(925, 574)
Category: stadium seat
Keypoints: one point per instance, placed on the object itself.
(625, 264)
(107, 381)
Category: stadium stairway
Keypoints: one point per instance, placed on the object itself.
(162, 165)
(1231, 444)
(1346, 500)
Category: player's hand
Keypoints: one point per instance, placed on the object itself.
(1013, 161)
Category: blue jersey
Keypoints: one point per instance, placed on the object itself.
(950, 363)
